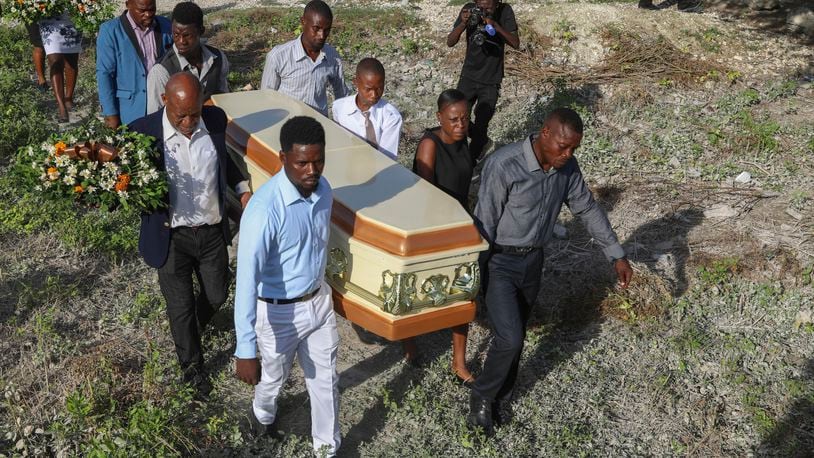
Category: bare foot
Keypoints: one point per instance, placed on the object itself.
(62, 114)
(68, 104)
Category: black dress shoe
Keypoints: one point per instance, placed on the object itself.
(501, 413)
(367, 337)
(259, 430)
(200, 383)
(480, 414)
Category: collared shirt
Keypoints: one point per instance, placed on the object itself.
(192, 176)
(518, 202)
(146, 41)
(282, 251)
(385, 118)
(158, 76)
(289, 70)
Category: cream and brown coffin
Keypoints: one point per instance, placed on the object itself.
(402, 254)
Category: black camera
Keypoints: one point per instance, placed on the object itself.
(476, 15)
(480, 30)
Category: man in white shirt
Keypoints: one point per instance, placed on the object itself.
(188, 54)
(303, 67)
(366, 113)
(188, 237)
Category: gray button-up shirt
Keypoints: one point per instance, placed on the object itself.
(518, 202)
(289, 70)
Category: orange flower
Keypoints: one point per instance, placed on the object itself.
(42, 6)
(60, 148)
(19, 2)
(52, 170)
(82, 9)
(78, 189)
(122, 182)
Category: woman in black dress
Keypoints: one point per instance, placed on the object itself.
(443, 159)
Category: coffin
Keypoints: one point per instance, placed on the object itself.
(402, 254)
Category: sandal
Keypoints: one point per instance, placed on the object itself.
(464, 382)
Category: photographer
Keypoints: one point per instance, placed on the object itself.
(489, 25)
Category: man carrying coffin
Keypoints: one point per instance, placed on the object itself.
(523, 187)
(283, 307)
(189, 237)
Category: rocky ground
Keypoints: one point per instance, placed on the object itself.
(707, 180)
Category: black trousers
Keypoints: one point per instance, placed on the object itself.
(200, 252)
(513, 284)
(483, 97)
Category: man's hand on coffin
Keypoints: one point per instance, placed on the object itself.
(623, 271)
(244, 199)
(248, 370)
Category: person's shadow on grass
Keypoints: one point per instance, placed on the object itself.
(577, 282)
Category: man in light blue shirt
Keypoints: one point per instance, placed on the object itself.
(283, 306)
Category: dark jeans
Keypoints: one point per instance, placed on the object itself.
(514, 281)
(200, 252)
(483, 97)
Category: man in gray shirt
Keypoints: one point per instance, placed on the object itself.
(303, 67)
(523, 187)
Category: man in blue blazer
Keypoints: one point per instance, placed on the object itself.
(127, 47)
(188, 238)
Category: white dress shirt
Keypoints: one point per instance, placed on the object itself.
(192, 174)
(289, 70)
(385, 118)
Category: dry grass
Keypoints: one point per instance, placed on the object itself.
(646, 297)
(631, 58)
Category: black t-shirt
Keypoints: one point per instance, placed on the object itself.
(484, 63)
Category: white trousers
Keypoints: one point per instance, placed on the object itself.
(308, 329)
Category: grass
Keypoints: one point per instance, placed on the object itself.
(719, 369)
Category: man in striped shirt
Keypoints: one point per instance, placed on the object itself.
(303, 67)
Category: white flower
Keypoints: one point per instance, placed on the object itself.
(85, 173)
(34, 165)
(46, 185)
(91, 189)
(38, 188)
(30, 151)
(125, 161)
(69, 180)
(122, 194)
(62, 161)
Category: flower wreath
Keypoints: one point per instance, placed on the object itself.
(98, 166)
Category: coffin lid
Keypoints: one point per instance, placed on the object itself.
(376, 200)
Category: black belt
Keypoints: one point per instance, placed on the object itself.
(505, 249)
(196, 228)
(302, 298)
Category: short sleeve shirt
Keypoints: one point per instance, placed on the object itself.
(484, 63)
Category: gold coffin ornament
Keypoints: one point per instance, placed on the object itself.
(402, 255)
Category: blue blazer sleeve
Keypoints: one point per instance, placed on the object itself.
(154, 233)
(106, 68)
